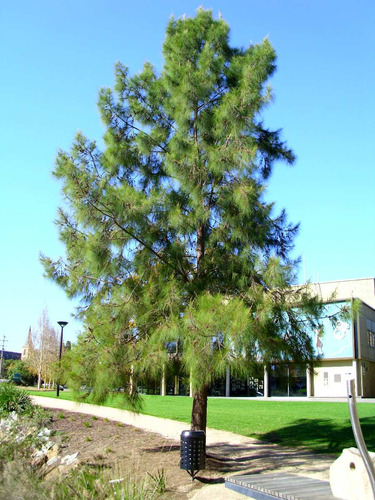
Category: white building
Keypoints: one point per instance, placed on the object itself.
(346, 350)
(349, 349)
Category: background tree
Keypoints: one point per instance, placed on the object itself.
(13, 366)
(167, 232)
(42, 359)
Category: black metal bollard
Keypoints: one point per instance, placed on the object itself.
(193, 452)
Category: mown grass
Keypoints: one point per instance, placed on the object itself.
(320, 426)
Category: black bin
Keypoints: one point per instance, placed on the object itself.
(193, 452)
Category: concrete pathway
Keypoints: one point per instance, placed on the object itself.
(241, 454)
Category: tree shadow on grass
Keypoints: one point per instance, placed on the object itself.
(322, 435)
(304, 445)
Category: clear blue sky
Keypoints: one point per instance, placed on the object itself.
(54, 57)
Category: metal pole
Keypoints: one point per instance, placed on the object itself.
(358, 436)
(62, 324)
(2, 356)
(1, 363)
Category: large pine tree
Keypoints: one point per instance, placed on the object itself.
(167, 233)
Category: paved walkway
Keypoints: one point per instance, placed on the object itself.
(242, 453)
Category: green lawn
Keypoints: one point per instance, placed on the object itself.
(322, 427)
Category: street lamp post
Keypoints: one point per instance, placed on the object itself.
(2, 356)
(62, 324)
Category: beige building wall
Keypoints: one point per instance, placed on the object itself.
(330, 378)
(366, 333)
(363, 289)
(368, 379)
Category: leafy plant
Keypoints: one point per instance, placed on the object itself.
(15, 399)
(86, 483)
(20, 437)
(40, 416)
(160, 481)
(18, 480)
(17, 476)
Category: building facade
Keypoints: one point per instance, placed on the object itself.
(11, 355)
(345, 348)
(350, 345)
(28, 348)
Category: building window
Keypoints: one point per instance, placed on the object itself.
(371, 338)
(337, 377)
(371, 333)
(325, 378)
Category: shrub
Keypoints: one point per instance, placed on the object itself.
(19, 438)
(98, 485)
(160, 481)
(13, 398)
(19, 480)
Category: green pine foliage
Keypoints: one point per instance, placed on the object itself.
(167, 232)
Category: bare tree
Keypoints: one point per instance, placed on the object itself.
(44, 355)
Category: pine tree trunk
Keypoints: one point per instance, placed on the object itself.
(200, 244)
(199, 411)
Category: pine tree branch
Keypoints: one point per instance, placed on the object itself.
(143, 99)
(209, 204)
(132, 235)
(138, 239)
(128, 124)
(214, 98)
(93, 160)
